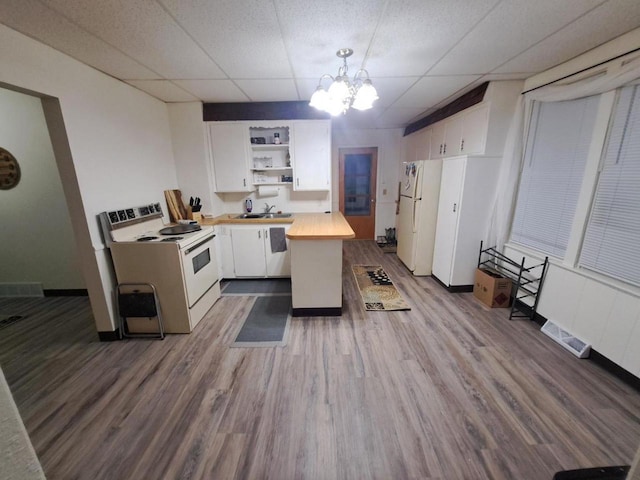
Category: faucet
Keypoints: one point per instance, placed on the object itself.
(267, 207)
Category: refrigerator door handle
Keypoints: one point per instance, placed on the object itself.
(413, 216)
(417, 183)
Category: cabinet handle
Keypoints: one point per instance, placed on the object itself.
(244, 182)
(444, 150)
(260, 232)
(297, 181)
(462, 145)
(266, 234)
(440, 149)
(454, 206)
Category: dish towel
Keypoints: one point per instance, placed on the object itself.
(278, 239)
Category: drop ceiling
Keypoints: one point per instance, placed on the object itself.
(420, 54)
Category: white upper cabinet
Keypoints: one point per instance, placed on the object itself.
(452, 136)
(230, 156)
(312, 155)
(246, 154)
(474, 130)
(437, 140)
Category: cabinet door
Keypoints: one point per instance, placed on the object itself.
(278, 263)
(448, 213)
(452, 137)
(248, 252)
(229, 153)
(437, 140)
(474, 131)
(312, 155)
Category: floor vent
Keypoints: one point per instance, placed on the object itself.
(21, 290)
(576, 346)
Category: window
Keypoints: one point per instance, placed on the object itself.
(612, 240)
(555, 158)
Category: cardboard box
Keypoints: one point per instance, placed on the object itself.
(492, 289)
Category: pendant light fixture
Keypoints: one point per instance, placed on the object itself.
(343, 93)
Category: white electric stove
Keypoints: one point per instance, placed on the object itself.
(178, 260)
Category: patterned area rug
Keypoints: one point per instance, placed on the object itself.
(377, 290)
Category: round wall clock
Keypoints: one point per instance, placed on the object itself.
(9, 170)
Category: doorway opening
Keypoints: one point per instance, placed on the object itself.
(358, 167)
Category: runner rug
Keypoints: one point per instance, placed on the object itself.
(377, 290)
(267, 323)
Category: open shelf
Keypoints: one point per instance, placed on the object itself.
(272, 183)
(527, 281)
(265, 169)
(269, 146)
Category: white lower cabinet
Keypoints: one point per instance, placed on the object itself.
(253, 253)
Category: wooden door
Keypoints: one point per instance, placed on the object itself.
(358, 167)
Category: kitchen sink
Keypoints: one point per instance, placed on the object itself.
(264, 215)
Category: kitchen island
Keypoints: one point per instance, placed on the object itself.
(316, 263)
(315, 241)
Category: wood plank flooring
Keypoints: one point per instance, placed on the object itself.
(448, 390)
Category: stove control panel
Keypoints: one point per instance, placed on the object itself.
(127, 216)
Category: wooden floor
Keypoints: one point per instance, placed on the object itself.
(448, 390)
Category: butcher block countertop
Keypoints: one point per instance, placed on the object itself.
(304, 226)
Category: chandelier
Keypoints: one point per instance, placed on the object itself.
(343, 93)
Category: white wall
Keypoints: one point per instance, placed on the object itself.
(597, 309)
(119, 147)
(389, 144)
(36, 235)
(191, 153)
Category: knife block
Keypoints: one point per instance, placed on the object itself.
(191, 215)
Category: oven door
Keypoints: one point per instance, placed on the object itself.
(200, 268)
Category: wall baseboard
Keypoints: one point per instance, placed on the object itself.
(66, 292)
(109, 336)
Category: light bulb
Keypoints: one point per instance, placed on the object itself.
(319, 99)
(365, 96)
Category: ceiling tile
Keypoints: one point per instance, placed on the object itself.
(315, 31)
(415, 34)
(213, 90)
(598, 26)
(145, 31)
(163, 90)
(391, 89)
(38, 21)
(430, 90)
(271, 90)
(509, 29)
(243, 37)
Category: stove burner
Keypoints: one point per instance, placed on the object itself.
(145, 239)
(171, 239)
(178, 229)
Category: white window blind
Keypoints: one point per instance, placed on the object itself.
(612, 240)
(555, 159)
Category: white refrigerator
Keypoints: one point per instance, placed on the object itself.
(418, 214)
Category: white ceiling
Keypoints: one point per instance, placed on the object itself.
(420, 54)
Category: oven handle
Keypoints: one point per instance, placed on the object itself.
(191, 249)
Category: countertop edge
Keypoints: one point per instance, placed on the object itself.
(304, 226)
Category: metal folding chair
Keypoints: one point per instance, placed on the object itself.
(136, 303)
